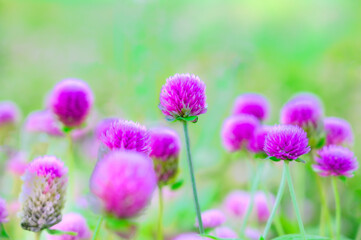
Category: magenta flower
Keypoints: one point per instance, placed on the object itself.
(183, 96)
(306, 96)
(338, 131)
(236, 203)
(17, 164)
(43, 122)
(252, 234)
(3, 211)
(9, 113)
(124, 181)
(237, 131)
(335, 161)
(71, 101)
(262, 205)
(103, 126)
(72, 222)
(43, 193)
(212, 218)
(256, 144)
(126, 135)
(252, 104)
(224, 232)
(286, 142)
(189, 236)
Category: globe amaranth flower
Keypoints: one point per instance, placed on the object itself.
(184, 96)
(165, 147)
(17, 164)
(190, 236)
(256, 144)
(338, 131)
(9, 113)
(307, 96)
(3, 211)
(72, 222)
(71, 101)
(212, 218)
(237, 131)
(43, 122)
(224, 232)
(126, 135)
(263, 203)
(286, 142)
(236, 203)
(124, 182)
(103, 126)
(335, 161)
(43, 193)
(252, 234)
(252, 104)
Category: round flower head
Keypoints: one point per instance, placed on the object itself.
(256, 144)
(189, 236)
(236, 203)
(165, 147)
(126, 135)
(252, 104)
(9, 113)
(335, 161)
(306, 96)
(252, 234)
(262, 206)
(72, 222)
(103, 126)
(71, 100)
(338, 131)
(43, 122)
(17, 164)
(224, 232)
(43, 193)
(286, 142)
(237, 131)
(212, 218)
(3, 211)
(184, 96)
(124, 181)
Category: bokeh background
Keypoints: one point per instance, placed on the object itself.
(126, 49)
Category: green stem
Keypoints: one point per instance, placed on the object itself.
(338, 208)
(358, 236)
(294, 200)
(97, 228)
(160, 216)
(37, 235)
(277, 202)
(193, 180)
(70, 164)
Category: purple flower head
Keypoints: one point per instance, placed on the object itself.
(335, 161)
(252, 104)
(236, 203)
(72, 222)
(190, 236)
(224, 232)
(103, 126)
(9, 113)
(237, 131)
(3, 211)
(71, 101)
(126, 135)
(306, 96)
(43, 193)
(338, 131)
(17, 164)
(124, 181)
(212, 218)
(262, 205)
(252, 234)
(43, 122)
(286, 142)
(183, 95)
(256, 144)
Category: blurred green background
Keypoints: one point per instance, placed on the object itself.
(126, 49)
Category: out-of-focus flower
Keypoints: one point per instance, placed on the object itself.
(252, 104)
(43, 193)
(3, 211)
(165, 147)
(17, 164)
(307, 96)
(72, 222)
(286, 142)
(71, 101)
(256, 144)
(224, 232)
(124, 181)
(43, 122)
(183, 95)
(252, 234)
(335, 161)
(212, 218)
(237, 131)
(190, 236)
(262, 205)
(126, 135)
(338, 131)
(236, 203)
(9, 113)
(103, 126)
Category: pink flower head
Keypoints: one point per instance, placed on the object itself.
(338, 131)
(190, 236)
(256, 144)
(9, 113)
(306, 96)
(237, 131)
(335, 161)
(252, 234)
(236, 203)
(126, 135)
(72, 222)
(212, 218)
(43, 122)
(103, 126)
(262, 205)
(286, 142)
(17, 164)
(252, 104)
(71, 101)
(184, 96)
(124, 181)
(3, 211)
(224, 232)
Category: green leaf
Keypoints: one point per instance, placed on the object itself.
(260, 155)
(189, 119)
(261, 238)
(300, 237)
(342, 178)
(59, 232)
(3, 234)
(213, 237)
(300, 160)
(321, 142)
(178, 184)
(67, 129)
(274, 159)
(117, 224)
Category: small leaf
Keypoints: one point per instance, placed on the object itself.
(188, 119)
(321, 142)
(260, 155)
(342, 178)
(59, 232)
(261, 238)
(67, 129)
(178, 184)
(117, 224)
(3, 234)
(300, 160)
(217, 238)
(274, 159)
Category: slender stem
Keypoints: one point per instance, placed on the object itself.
(193, 180)
(70, 164)
(358, 236)
(37, 235)
(160, 216)
(277, 202)
(97, 228)
(338, 208)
